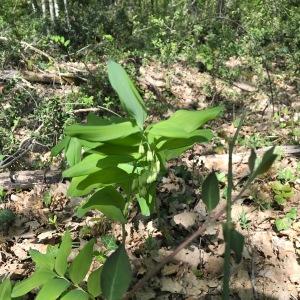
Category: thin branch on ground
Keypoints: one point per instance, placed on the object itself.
(213, 217)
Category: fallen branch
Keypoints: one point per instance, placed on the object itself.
(28, 179)
(42, 77)
(213, 217)
(220, 161)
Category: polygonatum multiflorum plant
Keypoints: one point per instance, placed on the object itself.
(114, 161)
(117, 160)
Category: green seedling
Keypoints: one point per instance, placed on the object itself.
(286, 175)
(282, 192)
(244, 221)
(2, 193)
(53, 221)
(7, 218)
(47, 198)
(60, 40)
(286, 222)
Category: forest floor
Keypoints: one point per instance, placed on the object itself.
(270, 267)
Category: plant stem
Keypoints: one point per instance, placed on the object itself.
(123, 234)
(228, 226)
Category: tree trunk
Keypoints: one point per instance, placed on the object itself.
(56, 9)
(220, 8)
(51, 10)
(67, 13)
(44, 8)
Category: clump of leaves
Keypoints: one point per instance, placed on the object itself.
(286, 222)
(107, 154)
(57, 279)
(118, 160)
(7, 218)
(282, 192)
(244, 220)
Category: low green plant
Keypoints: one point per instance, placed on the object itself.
(234, 240)
(7, 218)
(119, 159)
(52, 221)
(47, 198)
(60, 40)
(2, 193)
(286, 222)
(244, 221)
(282, 192)
(286, 175)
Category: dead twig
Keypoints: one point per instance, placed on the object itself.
(213, 217)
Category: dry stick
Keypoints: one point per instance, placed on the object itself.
(211, 218)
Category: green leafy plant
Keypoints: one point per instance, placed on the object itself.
(234, 241)
(118, 160)
(7, 218)
(56, 278)
(286, 222)
(60, 40)
(286, 175)
(244, 221)
(2, 193)
(282, 192)
(52, 220)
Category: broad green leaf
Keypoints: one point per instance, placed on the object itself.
(266, 162)
(292, 214)
(112, 149)
(237, 244)
(93, 284)
(106, 176)
(252, 160)
(109, 242)
(93, 119)
(283, 224)
(109, 202)
(173, 153)
(101, 133)
(43, 261)
(73, 152)
(116, 275)
(61, 262)
(86, 166)
(63, 144)
(130, 140)
(198, 136)
(37, 279)
(211, 191)
(82, 262)
(184, 121)
(147, 202)
(53, 289)
(128, 94)
(236, 241)
(76, 295)
(75, 191)
(87, 145)
(5, 289)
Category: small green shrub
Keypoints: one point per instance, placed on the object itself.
(282, 192)
(7, 218)
(286, 222)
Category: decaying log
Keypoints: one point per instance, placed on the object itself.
(42, 77)
(27, 179)
(240, 160)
